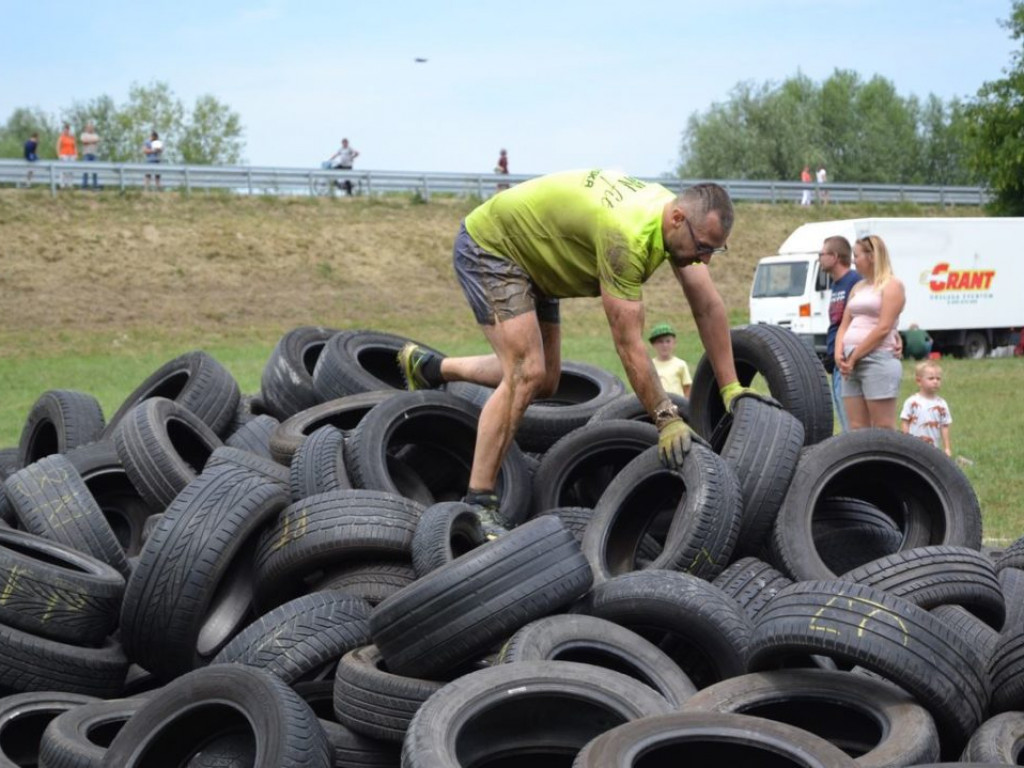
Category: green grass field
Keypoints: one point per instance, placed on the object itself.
(982, 394)
(112, 287)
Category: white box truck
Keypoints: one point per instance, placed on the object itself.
(964, 279)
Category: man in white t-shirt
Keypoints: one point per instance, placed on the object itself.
(822, 178)
(673, 372)
(343, 160)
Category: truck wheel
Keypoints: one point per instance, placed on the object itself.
(976, 345)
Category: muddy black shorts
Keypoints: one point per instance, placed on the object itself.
(497, 289)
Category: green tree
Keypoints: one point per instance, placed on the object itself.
(861, 131)
(21, 124)
(885, 146)
(210, 133)
(152, 107)
(995, 127)
(838, 117)
(213, 134)
(759, 133)
(944, 159)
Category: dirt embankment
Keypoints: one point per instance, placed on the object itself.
(84, 268)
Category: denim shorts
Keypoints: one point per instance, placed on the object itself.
(497, 289)
(875, 376)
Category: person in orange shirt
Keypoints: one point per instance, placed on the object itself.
(805, 179)
(67, 152)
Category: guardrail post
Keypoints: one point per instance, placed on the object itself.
(188, 183)
(772, 188)
(53, 182)
(426, 189)
(942, 196)
(248, 180)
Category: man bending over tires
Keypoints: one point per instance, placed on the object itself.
(578, 233)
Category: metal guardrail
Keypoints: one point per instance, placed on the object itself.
(253, 180)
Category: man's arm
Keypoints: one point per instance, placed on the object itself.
(626, 321)
(712, 321)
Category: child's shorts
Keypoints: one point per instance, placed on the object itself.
(874, 377)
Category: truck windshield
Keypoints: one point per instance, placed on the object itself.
(780, 279)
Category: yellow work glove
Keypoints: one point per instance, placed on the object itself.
(730, 392)
(673, 442)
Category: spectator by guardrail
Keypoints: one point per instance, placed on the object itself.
(265, 180)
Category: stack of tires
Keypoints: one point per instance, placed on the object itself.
(290, 578)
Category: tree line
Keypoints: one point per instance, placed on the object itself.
(207, 133)
(864, 131)
(860, 130)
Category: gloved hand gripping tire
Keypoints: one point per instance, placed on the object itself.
(733, 390)
(673, 435)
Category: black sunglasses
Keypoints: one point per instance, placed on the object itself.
(703, 249)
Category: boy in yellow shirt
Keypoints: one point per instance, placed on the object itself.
(673, 372)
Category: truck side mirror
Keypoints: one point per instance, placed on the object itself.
(822, 282)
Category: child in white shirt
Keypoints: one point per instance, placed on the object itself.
(925, 415)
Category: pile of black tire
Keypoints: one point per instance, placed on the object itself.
(289, 578)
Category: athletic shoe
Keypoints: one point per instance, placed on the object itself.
(485, 505)
(410, 361)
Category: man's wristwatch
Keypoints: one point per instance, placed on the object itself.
(664, 413)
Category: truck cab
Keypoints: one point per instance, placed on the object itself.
(793, 291)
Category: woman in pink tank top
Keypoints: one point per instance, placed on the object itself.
(867, 343)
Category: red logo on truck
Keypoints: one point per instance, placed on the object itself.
(944, 279)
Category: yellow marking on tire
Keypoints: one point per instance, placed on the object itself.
(10, 584)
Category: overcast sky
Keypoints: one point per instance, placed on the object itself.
(560, 84)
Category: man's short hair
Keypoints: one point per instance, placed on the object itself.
(840, 246)
(701, 199)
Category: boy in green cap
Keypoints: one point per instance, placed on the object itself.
(673, 372)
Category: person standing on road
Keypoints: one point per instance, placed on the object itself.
(822, 178)
(67, 152)
(31, 151)
(502, 168)
(868, 346)
(834, 259)
(153, 149)
(345, 157)
(805, 179)
(575, 234)
(90, 152)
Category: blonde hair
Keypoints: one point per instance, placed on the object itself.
(926, 365)
(875, 245)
